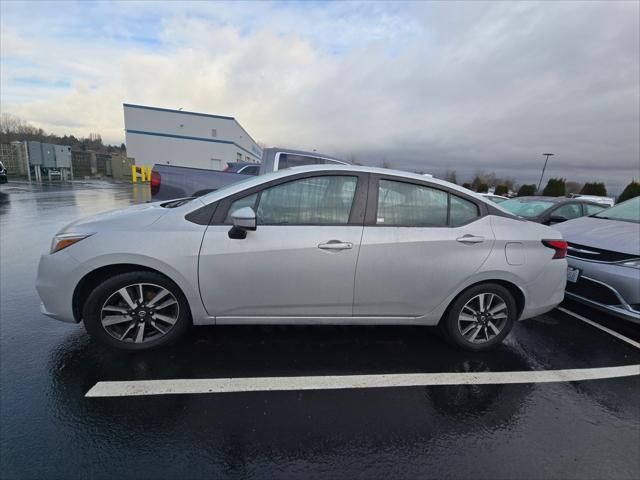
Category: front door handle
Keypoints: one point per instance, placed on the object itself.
(470, 239)
(335, 245)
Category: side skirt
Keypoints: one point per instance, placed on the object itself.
(324, 321)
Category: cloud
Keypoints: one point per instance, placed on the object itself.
(426, 86)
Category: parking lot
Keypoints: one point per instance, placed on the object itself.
(290, 419)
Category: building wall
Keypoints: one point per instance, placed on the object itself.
(156, 135)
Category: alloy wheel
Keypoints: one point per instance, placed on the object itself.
(139, 313)
(483, 317)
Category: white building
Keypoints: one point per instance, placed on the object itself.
(189, 139)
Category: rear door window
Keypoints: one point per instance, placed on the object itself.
(409, 205)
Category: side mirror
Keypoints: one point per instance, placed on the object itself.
(243, 219)
(557, 219)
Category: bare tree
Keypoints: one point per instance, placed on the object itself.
(14, 128)
(450, 176)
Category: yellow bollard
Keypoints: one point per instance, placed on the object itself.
(149, 173)
(134, 174)
(143, 177)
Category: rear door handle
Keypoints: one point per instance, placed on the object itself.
(335, 245)
(470, 239)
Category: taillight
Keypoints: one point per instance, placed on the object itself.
(155, 182)
(560, 247)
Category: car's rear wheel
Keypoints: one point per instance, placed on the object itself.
(137, 311)
(481, 317)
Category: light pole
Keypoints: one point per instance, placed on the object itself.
(544, 168)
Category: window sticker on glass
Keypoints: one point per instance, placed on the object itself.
(380, 220)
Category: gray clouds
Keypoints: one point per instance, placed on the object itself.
(424, 85)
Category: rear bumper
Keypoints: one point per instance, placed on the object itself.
(547, 291)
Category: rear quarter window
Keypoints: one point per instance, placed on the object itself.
(462, 211)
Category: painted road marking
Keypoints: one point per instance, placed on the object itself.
(270, 384)
(601, 327)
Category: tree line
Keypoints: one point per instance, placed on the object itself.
(555, 187)
(13, 128)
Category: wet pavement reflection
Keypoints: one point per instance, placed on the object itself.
(49, 429)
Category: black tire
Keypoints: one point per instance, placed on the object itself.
(450, 323)
(93, 312)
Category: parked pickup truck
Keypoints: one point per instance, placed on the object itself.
(170, 181)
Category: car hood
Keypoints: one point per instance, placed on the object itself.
(614, 235)
(129, 218)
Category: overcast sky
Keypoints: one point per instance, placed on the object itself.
(421, 85)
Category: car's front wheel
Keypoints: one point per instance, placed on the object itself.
(137, 311)
(481, 317)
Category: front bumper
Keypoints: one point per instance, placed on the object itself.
(608, 287)
(56, 283)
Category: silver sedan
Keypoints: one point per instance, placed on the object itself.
(309, 245)
(604, 260)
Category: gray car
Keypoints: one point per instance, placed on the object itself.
(551, 210)
(308, 245)
(604, 259)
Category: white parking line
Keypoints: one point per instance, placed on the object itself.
(270, 384)
(601, 327)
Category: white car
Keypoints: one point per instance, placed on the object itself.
(605, 201)
(310, 245)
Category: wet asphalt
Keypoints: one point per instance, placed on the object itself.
(48, 429)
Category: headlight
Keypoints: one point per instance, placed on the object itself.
(64, 240)
(632, 263)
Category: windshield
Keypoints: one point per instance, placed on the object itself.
(526, 208)
(248, 182)
(628, 211)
